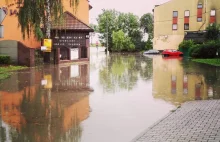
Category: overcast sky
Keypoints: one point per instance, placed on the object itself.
(138, 7)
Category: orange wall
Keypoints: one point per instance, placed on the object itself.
(13, 32)
(81, 12)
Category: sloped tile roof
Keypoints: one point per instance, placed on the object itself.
(70, 22)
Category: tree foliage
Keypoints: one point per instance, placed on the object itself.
(212, 32)
(121, 42)
(146, 22)
(113, 21)
(94, 27)
(107, 23)
(35, 15)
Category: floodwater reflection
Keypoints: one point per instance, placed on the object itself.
(122, 72)
(45, 104)
(130, 93)
(177, 80)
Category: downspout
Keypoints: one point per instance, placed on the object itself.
(205, 6)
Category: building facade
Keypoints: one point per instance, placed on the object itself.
(172, 20)
(22, 50)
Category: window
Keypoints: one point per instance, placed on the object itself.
(186, 26)
(212, 12)
(175, 13)
(187, 14)
(199, 19)
(174, 26)
(199, 6)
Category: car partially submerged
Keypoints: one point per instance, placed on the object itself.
(152, 51)
(171, 52)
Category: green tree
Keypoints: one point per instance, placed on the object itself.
(94, 27)
(212, 32)
(113, 21)
(37, 14)
(118, 40)
(107, 23)
(146, 23)
(121, 42)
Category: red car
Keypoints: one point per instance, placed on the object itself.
(171, 52)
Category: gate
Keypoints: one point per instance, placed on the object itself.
(39, 58)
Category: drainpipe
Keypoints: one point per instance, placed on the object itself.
(205, 6)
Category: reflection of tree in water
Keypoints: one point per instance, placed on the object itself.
(123, 71)
(210, 73)
(35, 109)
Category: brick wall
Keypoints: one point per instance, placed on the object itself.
(25, 55)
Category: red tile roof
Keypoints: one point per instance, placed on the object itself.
(70, 22)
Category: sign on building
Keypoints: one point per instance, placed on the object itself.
(48, 45)
(1, 31)
(3, 13)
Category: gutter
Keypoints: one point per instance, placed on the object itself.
(205, 15)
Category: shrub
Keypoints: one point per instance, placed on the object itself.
(185, 46)
(206, 50)
(5, 59)
(194, 51)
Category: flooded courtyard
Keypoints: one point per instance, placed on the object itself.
(111, 99)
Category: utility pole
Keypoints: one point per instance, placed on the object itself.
(106, 31)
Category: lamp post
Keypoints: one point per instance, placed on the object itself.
(106, 32)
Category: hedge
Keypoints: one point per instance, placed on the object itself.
(5, 59)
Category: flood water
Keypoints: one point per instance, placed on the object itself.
(111, 99)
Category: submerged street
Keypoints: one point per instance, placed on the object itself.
(110, 99)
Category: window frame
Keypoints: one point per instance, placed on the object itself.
(200, 6)
(185, 26)
(174, 14)
(213, 10)
(198, 19)
(175, 28)
(185, 13)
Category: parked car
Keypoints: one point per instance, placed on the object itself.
(152, 51)
(171, 52)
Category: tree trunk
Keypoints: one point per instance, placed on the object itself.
(48, 19)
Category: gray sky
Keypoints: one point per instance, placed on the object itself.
(138, 7)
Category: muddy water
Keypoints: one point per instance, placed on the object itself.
(111, 99)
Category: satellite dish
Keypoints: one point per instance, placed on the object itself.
(3, 13)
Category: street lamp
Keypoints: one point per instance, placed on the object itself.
(106, 32)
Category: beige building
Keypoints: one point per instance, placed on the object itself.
(172, 20)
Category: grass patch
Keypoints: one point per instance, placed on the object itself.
(5, 71)
(214, 62)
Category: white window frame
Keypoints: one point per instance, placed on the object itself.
(199, 20)
(187, 13)
(174, 14)
(174, 27)
(213, 12)
(200, 6)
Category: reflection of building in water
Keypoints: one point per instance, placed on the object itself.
(27, 108)
(170, 83)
